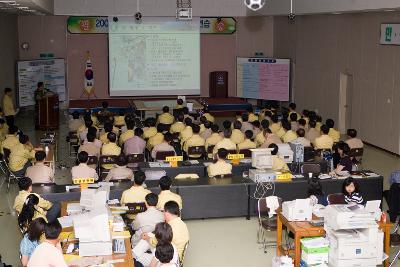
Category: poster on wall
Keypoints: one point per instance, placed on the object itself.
(49, 71)
(217, 25)
(390, 34)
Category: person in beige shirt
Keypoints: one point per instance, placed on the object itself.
(312, 132)
(220, 167)
(187, 132)
(277, 163)
(83, 170)
(256, 128)
(130, 125)
(11, 139)
(260, 137)
(166, 195)
(121, 171)
(90, 147)
(333, 133)
(178, 126)
(246, 125)
(324, 141)
(194, 140)
(137, 193)
(292, 109)
(247, 143)
(213, 139)
(40, 173)
(207, 132)
(301, 139)
(110, 149)
(20, 156)
(352, 140)
(270, 138)
(252, 116)
(208, 116)
(237, 136)
(8, 106)
(289, 135)
(275, 126)
(163, 146)
(119, 120)
(165, 117)
(75, 122)
(158, 138)
(226, 142)
(303, 124)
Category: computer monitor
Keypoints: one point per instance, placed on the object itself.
(261, 158)
(285, 153)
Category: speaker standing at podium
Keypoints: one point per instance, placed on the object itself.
(46, 107)
(40, 92)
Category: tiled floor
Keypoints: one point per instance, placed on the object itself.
(214, 242)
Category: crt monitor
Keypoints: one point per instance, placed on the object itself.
(261, 158)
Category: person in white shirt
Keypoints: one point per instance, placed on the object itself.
(49, 252)
(83, 170)
(352, 140)
(301, 139)
(164, 146)
(145, 222)
(40, 173)
(121, 171)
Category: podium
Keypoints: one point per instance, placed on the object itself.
(219, 84)
(46, 113)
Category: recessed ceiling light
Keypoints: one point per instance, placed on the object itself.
(8, 2)
(22, 7)
(390, 10)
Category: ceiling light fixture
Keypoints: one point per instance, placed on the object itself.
(254, 5)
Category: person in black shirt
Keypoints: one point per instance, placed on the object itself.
(345, 163)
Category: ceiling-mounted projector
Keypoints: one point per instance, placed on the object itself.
(255, 5)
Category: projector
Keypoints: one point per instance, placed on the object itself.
(184, 13)
(138, 16)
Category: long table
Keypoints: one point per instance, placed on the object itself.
(223, 197)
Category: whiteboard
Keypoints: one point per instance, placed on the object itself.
(49, 71)
(263, 78)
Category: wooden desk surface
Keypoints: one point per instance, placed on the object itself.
(127, 257)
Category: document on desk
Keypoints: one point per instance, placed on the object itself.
(65, 221)
(194, 161)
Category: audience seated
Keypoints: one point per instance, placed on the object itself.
(282, 130)
(251, 115)
(165, 117)
(246, 125)
(324, 141)
(260, 137)
(119, 120)
(207, 130)
(158, 138)
(108, 128)
(214, 138)
(352, 140)
(164, 256)
(301, 139)
(128, 118)
(89, 146)
(83, 170)
(20, 156)
(256, 128)
(11, 139)
(270, 138)
(94, 131)
(318, 124)
(150, 130)
(163, 146)
(226, 142)
(312, 132)
(237, 136)
(277, 163)
(293, 121)
(247, 143)
(137, 193)
(110, 149)
(130, 125)
(179, 103)
(121, 171)
(29, 212)
(194, 140)
(303, 124)
(208, 116)
(292, 109)
(275, 126)
(345, 162)
(290, 135)
(75, 123)
(31, 239)
(82, 131)
(333, 133)
(135, 144)
(221, 167)
(40, 173)
(166, 195)
(186, 133)
(3, 130)
(178, 126)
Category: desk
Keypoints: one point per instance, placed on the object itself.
(156, 105)
(127, 257)
(305, 229)
(198, 169)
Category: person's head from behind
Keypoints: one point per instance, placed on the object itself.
(302, 123)
(163, 232)
(13, 130)
(222, 154)
(324, 129)
(40, 85)
(23, 139)
(293, 117)
(112, 137)
(275, 118)
(151, 122)
(90, 137)
(275, 148)
(214, 128)
(40, 156)
(306, 113)
(52, 230)
(165, 183)
(350, 186)
(301, 132)
(185, 110)
(104, 104)
(207, 125)
(330, 123)
(268, 114)
(88, 123)
(36, 229)
(121, 161)
(227, 133)
(165, 109)
(203, 119)
(343, 149)
(312, 124)
(130, 124)
(171, 210)
(151, 200)
(256, 124)
(179, 101)
(108, 127)
(25, 184)
(292, 106)
(314, 187)
(286, 125)
(237, 125)
(28, 211)
(168, 137)
(196, 129)
(264, 124)
(227, 124)
(245, 117)
(164, 252)
(83, 157)
(139, 178)
(180, 117)
(8, 91)
(138, 132)
(248, 134)
(75, 115)
(352, 133)
(160, 128)
(188, 121)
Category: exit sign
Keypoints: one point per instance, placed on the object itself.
(390, 34)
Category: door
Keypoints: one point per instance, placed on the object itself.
(345, 94)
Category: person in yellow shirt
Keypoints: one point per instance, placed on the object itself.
(119, 120)
(178, 126)
(252, 116)
(303, 124)
(130, 125)
(150, 130)
(260, 137)
(306, 116)
(290, 135)
(324, 141)
(208, 116)
(220, 167)
(110, 149)
(312, 132)
(247, 143)
(318, 123)
(75, 122)
(275, 126)
(226, 142)
(335, 134)
(165, 117)
(8, 107)
(108, 128)
(246, 125)
(137, 193)
(179, 104)
(20, 156)
(237, 135)
(292, 109)
(214, 138)
(158, 138)
(29, 212)
(11, 139)
(282, 131)
(187, 132)
(226, 125)
(88, 114)
(270, 138)
(277, 163)
(194, 140)
(166, 195)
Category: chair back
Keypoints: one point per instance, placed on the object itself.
(135, 208)
(309, 153)
(313, 168)
(356, 152)
(185, 248)
(245, 152)
(167, 127)
(335, 199)
(134, 158)
(210, 149)
(7, 153)
(73, 137)
(224, 176)
(161, 155)
(110, 159)
(263, 209)
(92, 160)
(197, 150)
(232, 151)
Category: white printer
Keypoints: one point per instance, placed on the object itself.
(297, 210)
(348, 217)
(285, 152)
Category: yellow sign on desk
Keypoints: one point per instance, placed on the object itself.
(283, 176)
(174, 160)
(235, 158)
(83, 182)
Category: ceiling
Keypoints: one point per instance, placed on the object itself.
(27, 7)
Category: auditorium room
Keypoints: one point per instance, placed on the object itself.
(149, 133)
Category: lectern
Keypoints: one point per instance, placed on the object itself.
(46, 112)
